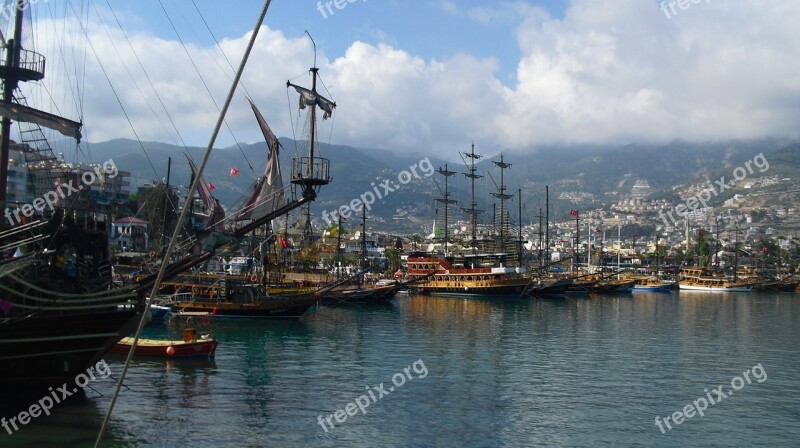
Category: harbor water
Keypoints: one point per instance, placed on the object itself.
(431, 371)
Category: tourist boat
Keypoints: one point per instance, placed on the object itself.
(699, 279)
(459, 277)
(479, 268)
(190, 347)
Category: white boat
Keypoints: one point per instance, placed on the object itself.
(699, 279)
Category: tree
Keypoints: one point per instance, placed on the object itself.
(393, 262)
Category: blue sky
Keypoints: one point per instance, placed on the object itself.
(433, 29)
(436, 75)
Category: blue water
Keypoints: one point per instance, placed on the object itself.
(565, 372)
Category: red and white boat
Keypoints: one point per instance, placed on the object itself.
(204, 347)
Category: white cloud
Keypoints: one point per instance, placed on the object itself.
(608, 71)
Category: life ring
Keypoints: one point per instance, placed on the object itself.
(152, 254)
(254, 278)
(206, 320)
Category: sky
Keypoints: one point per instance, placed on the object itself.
(430, 76)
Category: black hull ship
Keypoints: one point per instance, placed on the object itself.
(233, 296)
(59, 313)
(378, 295)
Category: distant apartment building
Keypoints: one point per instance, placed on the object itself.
(30, 177)
(641, 189)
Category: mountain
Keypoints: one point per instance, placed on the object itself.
(581, 175)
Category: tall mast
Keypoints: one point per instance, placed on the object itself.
(502, 196)
(363, 244)
(311, 172)
(547, 222)
(166, 205)
(339, 247)
(519, 234)
(445, 199)
(577, 239)
(541, 258)
(12, 72)
(472, 211)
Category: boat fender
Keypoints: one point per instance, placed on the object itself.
(170, 350)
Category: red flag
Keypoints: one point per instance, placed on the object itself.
(211, 186)
(766, 250)
(283, 242)
(573, 212)
(234, 171)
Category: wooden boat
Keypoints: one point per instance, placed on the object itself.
(651, 284)
(235, 296)
(190, 347)
(548, 287)
(777, 286)
(699, 279)
(451, 279)
(653, 287)
(613, 286)
(366, 295)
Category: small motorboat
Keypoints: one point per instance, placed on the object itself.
(190, 347)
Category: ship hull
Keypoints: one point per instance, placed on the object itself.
(268, 309)
(361, 296)
(745, 288)
(204, 348)
(45, 351)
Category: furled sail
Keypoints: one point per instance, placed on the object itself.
(18, 112)
(216, 214)
(267, 194)
(309, 98)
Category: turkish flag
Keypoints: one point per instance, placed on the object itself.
(234, 171)
(211, 186)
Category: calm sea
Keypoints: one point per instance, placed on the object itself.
(455, 372)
